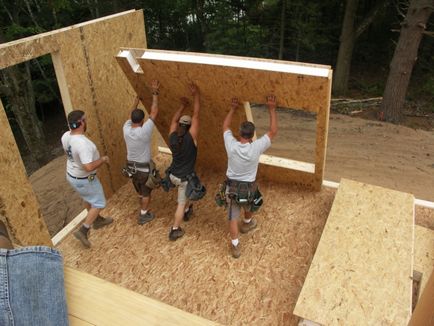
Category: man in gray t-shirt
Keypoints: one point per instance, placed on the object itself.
(243, 160)
(138, 138)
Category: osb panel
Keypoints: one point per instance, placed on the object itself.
(197, 273)
(218, 84)
(423, 253)
(113, 93)
(362, 268)
(84, 55)
(18, 203)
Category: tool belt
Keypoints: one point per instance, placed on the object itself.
(243, 193)
(195, 190)
(132, 167)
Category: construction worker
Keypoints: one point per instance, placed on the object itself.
(83, 160)
(243, 159)
(183, 144)
(137, 135)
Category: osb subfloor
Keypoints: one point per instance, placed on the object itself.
(196, 273)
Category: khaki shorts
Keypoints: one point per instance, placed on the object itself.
(182, 187)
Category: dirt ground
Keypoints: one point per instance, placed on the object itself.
(374, 152)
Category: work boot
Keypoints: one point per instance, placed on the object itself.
(101, 221)
(145, 218)
(246, 227)
(188, 213)
(236, 252)
(81, 234)
(175, 234)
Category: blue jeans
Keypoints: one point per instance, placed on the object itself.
(32, 287)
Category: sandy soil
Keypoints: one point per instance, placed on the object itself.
(374, 152)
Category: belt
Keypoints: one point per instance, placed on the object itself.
(82, 178)
(138, 164)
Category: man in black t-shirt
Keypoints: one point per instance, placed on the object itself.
(183, 144)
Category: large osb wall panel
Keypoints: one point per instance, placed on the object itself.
(85, 57)
(218, 84)
(18, 203)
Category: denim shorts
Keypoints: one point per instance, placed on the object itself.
(90, 191)
(32, 287)
(182, 187)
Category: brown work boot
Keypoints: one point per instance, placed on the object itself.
(246, 227)
(81, 234)
(236, 252)
(101, 221)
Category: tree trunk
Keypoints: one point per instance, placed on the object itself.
(282, 30)
(404, 58)
(347, 40)
(22, 102)
(349, 35)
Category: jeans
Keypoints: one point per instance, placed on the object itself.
(32, 287)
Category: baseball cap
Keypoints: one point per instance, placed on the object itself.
(185, 120)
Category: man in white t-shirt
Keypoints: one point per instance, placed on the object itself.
(243, 160)
(83, 160)
(138, 137)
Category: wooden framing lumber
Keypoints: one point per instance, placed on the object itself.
(90, 80)
(363, 266)
(423, 254)
(94, 301)
(299, 86)
(423, 314)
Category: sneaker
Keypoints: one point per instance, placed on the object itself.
(145, 218)
(175, 234)
(101, 221)
(236, 252)
(81, 235)
(246, 227)
(188, 213)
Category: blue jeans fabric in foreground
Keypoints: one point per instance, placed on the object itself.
(32, 288)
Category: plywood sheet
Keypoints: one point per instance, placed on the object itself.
(218, 84)
(197, 273)
(423, 254)
(362, 268)
(98, 302)
(18, 203)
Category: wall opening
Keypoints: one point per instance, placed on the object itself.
(30, 95)
(296, 137)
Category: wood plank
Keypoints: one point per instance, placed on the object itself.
(99, 302)
(362, 267)
(300, 86)
(423, 254)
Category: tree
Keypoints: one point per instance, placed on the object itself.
(350, 33)
(404, 58)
